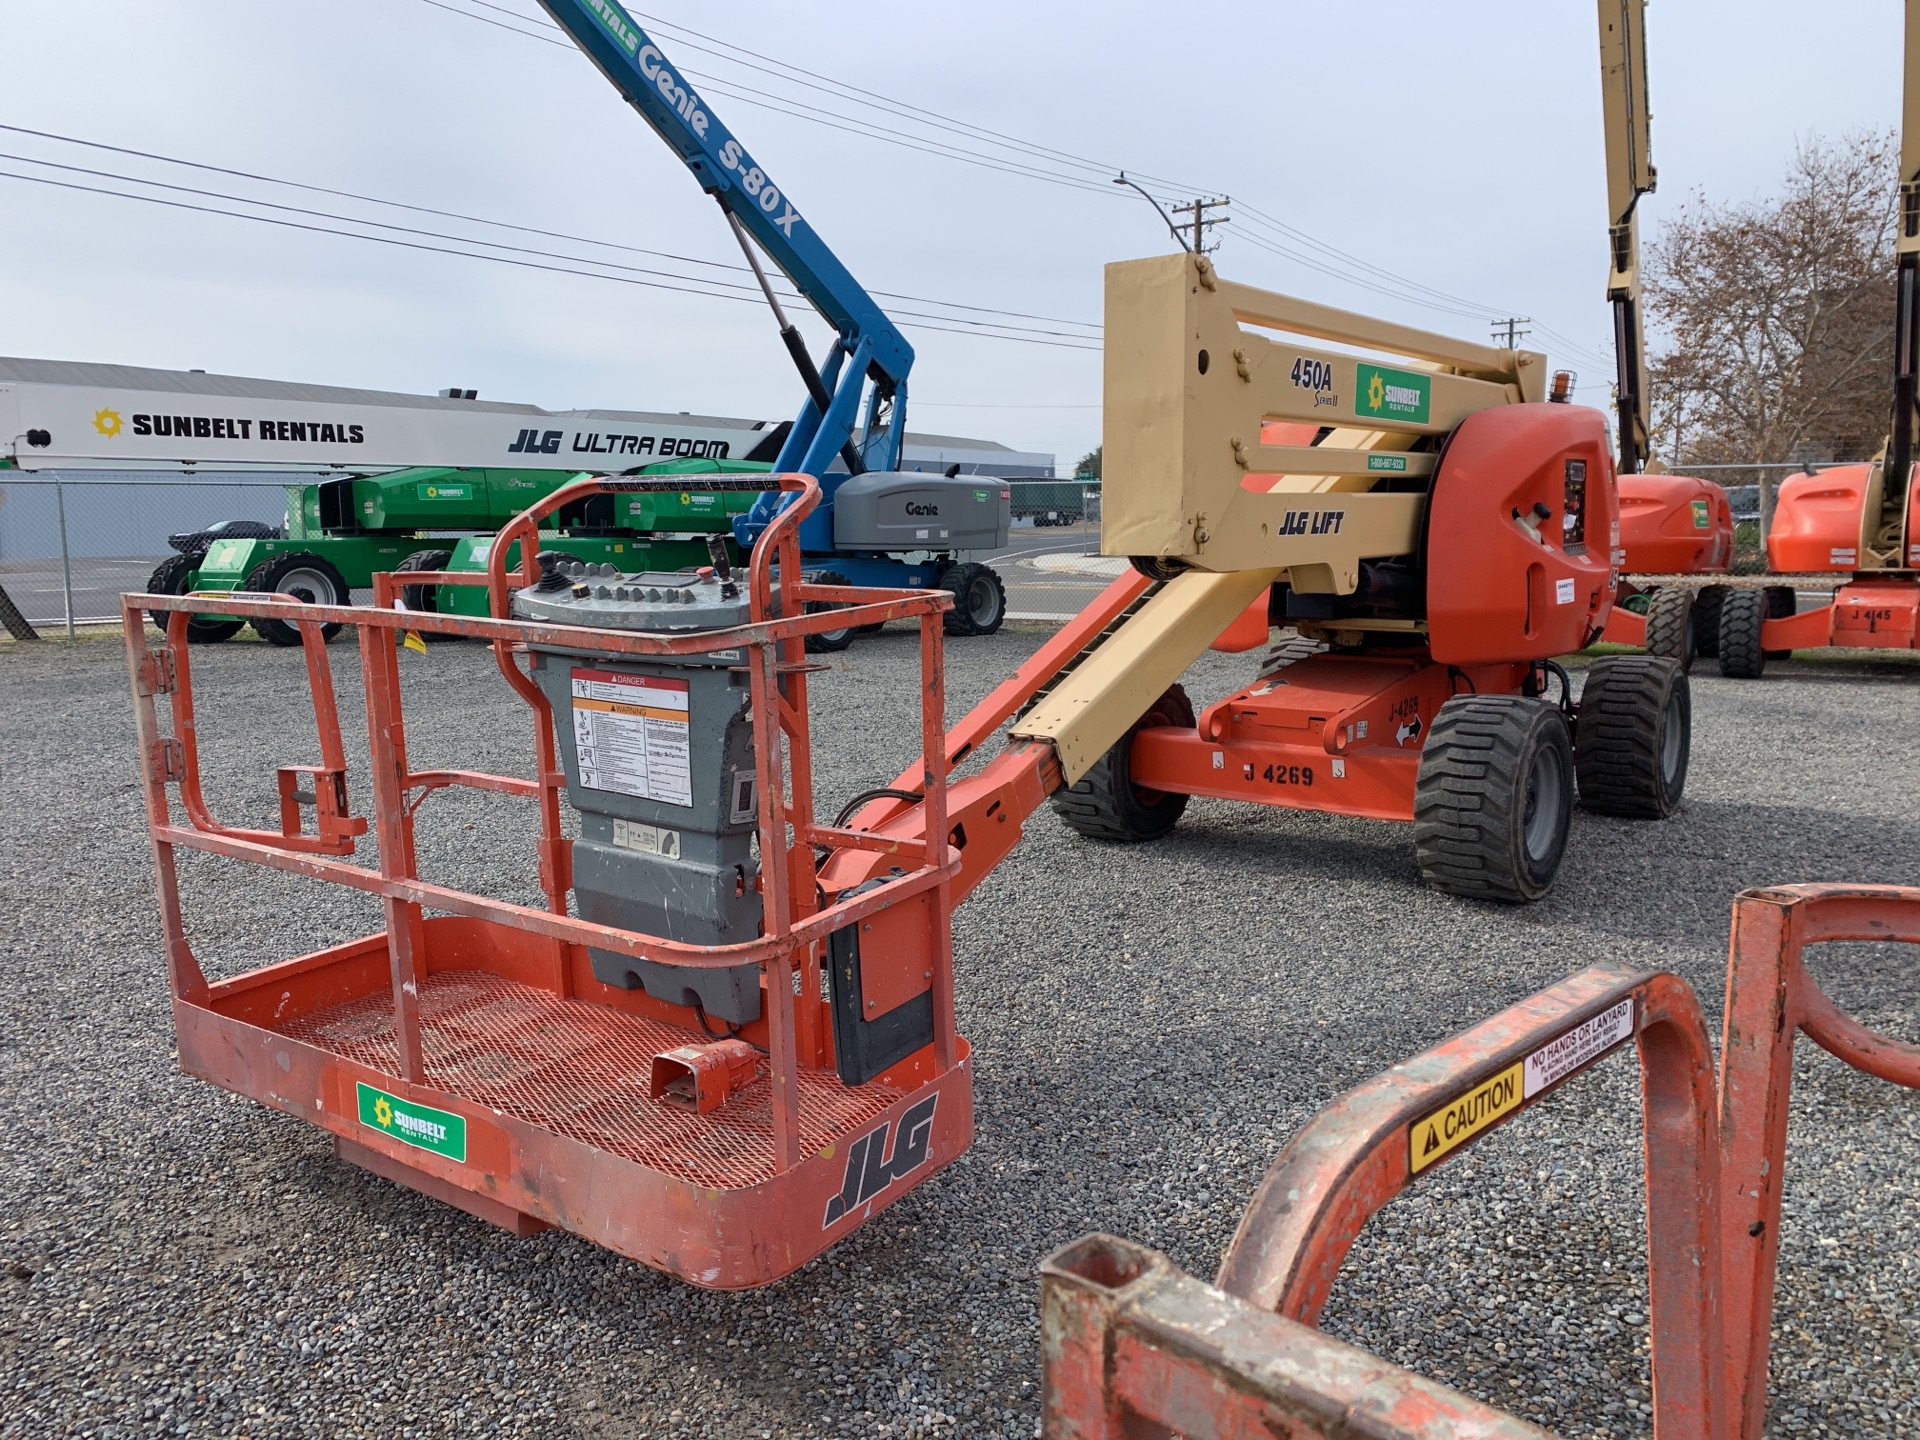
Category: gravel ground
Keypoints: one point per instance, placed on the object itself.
(1150, 1025)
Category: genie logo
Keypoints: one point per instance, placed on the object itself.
(870, 1170)
(916, 507)
(685, 103)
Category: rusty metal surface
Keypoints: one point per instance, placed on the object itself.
(1771, 998)
(1133, 1348)
(1360, 1152)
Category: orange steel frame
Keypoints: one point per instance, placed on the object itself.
(747, 1206)
(1134, 1348)
(1335, 733)
(1868, 612)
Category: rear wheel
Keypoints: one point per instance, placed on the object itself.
(1494, 797)
(1781, 602)
(979, 599)
(423, 599)
(1706, 621)
(306, 577)
(1633, 737)
(1670, 625)
(1105, 804)
(828, 642)
(1741, 615)
(174, 576)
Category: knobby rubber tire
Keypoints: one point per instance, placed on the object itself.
(1470, 818)
(1105, 804)
(1781, 602)
(970, 582)
(1627, 758)
(1670, 625)
(173, 576)
(1706, 621)
(268, 576)
(1742, 614)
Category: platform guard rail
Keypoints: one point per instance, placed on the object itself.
(1134, 1348)
(523, 1175)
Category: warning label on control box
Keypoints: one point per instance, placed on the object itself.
(631, 734)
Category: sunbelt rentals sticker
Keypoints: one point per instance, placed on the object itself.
(1383, 394)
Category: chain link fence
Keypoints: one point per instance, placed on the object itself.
(71, 545)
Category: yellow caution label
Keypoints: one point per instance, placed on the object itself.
(1432, 1137)
(412, 641)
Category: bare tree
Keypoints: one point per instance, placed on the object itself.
(1773, 319)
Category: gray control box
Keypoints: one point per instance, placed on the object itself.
(895, 510)
(660, 767)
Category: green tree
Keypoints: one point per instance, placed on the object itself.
(1089, 466)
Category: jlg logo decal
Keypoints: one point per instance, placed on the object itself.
(870, 1170)
(1311, 522)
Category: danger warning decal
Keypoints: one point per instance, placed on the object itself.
(1435, 1135)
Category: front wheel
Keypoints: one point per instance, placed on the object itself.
(979, 599)
(174, 576)
(1494, 798)
(305, 576)
(1105, 804)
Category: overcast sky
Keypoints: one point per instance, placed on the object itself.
(1455, 145)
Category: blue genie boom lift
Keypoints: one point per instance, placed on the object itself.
(878, 525)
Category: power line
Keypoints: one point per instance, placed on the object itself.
(1337, 264)
(453, 215)
(1342, 267)
(705, 291)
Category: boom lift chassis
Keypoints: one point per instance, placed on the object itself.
(473, 1054)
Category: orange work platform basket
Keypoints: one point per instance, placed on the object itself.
(468, 1049)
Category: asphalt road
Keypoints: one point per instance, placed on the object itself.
(1150, 1024)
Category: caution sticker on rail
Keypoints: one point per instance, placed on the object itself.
(1433, 1136)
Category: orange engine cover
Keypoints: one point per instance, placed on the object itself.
(1521, 529)
(1816, 521)
(1674, 525)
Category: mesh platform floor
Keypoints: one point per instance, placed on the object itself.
(581, 1070)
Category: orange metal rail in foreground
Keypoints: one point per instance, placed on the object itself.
(1135, 1349)
(471, 1053)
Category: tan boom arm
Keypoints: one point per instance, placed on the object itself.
(1630, 174)
(1187, 482)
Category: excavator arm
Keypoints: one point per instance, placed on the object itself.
(1630, 174)
(867, 346)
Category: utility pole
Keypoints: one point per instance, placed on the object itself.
(1512, 330)
(1199, 222)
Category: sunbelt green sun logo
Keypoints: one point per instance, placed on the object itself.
(1383, 394)
(421, 1126)
(444, 491)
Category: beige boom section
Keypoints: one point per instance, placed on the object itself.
(1190, 380)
